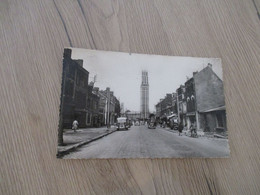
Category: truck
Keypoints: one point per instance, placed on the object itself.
(123, 123)
(152, 122)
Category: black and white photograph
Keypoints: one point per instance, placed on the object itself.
(125, 105)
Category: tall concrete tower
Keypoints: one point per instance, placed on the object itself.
(144, 96)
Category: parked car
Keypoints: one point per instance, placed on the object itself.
(173, 123)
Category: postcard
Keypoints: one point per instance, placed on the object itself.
(118, 105)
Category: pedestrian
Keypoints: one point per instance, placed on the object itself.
(164, 124)
(193, 130)
(75, 125)
(108, 126)
(185, 128)
(180, 128)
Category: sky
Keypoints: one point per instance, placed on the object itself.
(122, 72)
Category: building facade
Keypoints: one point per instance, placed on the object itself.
(181, 105)
(117, 109)
(81, 101)
(167, 105)
(109, 106)
(92, 115)
(210, 101)
(158, 108)
(144, 91)
(200, 101)
(75, 91)
(134, 116)
(205, 101)
(191, 102)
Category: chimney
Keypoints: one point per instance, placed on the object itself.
(210, 65)
(194, 73)
(80, 62)
(91, 84)
(67, 53)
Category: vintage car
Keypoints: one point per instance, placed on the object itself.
(152, 122)
(123, 123)
(173, 121)
(137, 123)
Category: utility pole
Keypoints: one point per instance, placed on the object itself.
(66, 55)
(178, 111)
(108, 105)
(106, 112)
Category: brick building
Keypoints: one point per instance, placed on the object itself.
(75, 91)
(181, 105)
(109, 106)
(190, 101)
(174, 103)
(117, 109)
(92, 115)
(205, 101)
(102, 107)
(158, 108)
(81, 101)
(166, 105)
(210, 101)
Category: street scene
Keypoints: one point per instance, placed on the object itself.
(120, 105)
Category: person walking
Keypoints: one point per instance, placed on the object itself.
(180, 128)
(193, 130)
(75, 125)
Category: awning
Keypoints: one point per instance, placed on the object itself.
(190, 114)
(214, 109)
(170, 116)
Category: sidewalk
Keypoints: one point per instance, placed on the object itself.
(73, 140)
(200, 134)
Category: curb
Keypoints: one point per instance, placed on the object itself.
(62, 152)
(214, 136)
(170, 130)
(220, 136)
(184, 133)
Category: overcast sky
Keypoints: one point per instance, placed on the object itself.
(122, 72)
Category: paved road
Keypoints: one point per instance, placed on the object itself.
(141, 142)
